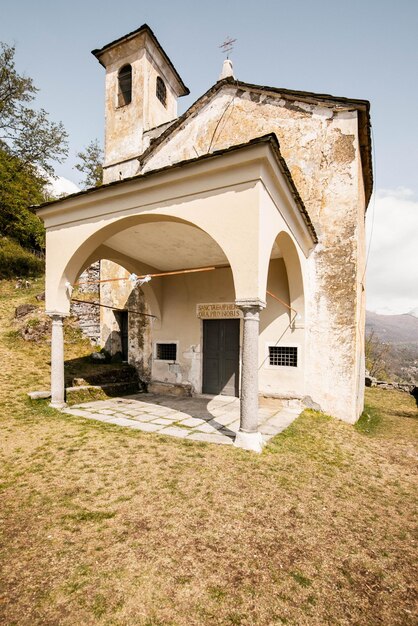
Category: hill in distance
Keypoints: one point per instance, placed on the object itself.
(394, 329)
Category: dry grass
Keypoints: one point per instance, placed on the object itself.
(101, 525)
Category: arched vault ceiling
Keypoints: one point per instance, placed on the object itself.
(168, 246)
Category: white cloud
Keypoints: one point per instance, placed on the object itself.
(60, 186)
(392, 271)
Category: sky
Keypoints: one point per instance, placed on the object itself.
(358, 48)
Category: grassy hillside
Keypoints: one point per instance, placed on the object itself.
(17, 262)
(106, 526)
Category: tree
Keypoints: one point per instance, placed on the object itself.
(29, 144)
(20, 187)
(26, 133)
(377, 354)
(91, 164)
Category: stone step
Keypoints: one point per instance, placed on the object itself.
(107, 374)
(84, 393)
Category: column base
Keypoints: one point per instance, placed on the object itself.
(249, 441)
(57, 405)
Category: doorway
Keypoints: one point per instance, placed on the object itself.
(221, 357)
(123, 323)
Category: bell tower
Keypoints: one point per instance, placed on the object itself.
(142, 87)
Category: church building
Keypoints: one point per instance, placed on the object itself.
(234, 235)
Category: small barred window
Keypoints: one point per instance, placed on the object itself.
(161, 91)
(283, 356)
(125, 85)
(166, 351)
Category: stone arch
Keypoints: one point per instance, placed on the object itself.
(90, 249)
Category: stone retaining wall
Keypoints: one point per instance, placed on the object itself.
(88, 316)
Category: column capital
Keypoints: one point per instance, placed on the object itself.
(251, 303)
(56, 315)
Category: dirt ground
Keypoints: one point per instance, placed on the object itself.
(102, 525)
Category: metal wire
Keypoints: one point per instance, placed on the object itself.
(106, 306)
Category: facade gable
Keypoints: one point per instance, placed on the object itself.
(319, 141)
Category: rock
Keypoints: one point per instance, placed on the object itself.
(98, 356)
(40, 297)
(382, 384)
(79, 382)
(170, 389)
(36, 330)
(39, 395)
(308, 403)
(414, 392)
(24, 309)
(405, 387)
(22, 284)
(88, 317)
(370, 381)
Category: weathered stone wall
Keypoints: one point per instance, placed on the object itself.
(123, 295)
(321, 147)
(88, 316)
(126, 124)
(90, 277)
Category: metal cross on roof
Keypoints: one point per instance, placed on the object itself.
(227, 46)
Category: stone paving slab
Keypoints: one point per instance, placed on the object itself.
(192, 422)
(206, 427)
(174, 431)
(210, 419)
(161, 421)
(225, 420)
(207, 438)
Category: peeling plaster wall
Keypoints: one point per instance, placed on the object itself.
(321, 148)
(122, 295)
(180, 323)
(125, 125)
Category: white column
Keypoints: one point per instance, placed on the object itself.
(57, 360)
(248, 436)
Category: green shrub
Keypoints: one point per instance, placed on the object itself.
(16, 262)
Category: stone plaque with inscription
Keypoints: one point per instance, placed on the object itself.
(217, 310)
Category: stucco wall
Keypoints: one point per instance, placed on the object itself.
(179, 323)
(124, 125)
(321, 148)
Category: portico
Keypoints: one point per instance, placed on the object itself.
(237, 212)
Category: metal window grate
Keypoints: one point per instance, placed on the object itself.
(161, 91)
(283, 355)
(166, 351)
